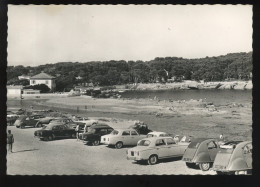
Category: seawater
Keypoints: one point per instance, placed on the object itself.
(218, 97)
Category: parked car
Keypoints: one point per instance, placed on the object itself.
(202, 152)
(157, 134)
(94, 134)
(155, 148)
(122, 137)
(11, 117)
(44, 121)
(234, 157)
(141, 128)
(53, 131)
(29, 121)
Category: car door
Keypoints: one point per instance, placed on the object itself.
(161, 148)
(173, 149)
(134, 137)
(64, 131)
(126, 138)
(56, 131)
(212, 150)
(247, 153)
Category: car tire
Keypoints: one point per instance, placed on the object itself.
(204, 166)
(38, 124)
(50, 138)
(190, 165)
(119, 145)
(73, 136)
(153, 159)
(96, 142)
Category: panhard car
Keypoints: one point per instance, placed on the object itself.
(155, 148)
(53, 131)
(202, 152)
(27, 121)
(234, 157)
(122, 137)
(94, 134)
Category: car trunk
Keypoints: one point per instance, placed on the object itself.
(222, 159)
(189, 154)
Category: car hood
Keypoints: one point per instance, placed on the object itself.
(17, 122)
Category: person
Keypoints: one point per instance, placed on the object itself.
(10, 141)
(85, 128)
(77, 132)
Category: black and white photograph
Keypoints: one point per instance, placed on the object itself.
(129, 90)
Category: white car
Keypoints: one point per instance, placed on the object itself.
(157, 134)
(121, 137)
(155, 148)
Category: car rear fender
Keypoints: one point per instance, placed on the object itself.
(202, 157)
(238, 164)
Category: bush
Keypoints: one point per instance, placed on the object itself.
(42, 87)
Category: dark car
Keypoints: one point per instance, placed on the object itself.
(95, 132)
(53, 131)
(141, 128)
(202, 152)
(27, 121)
(234, 157)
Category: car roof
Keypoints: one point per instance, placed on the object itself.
(157, 132)
(202, 139)
(152, 139)
(124, 129)
(101, 127)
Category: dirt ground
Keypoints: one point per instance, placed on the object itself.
(69, 157)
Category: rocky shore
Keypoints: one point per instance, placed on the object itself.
(236, 85)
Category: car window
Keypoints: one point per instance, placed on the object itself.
(126, 133)
(134, 133)
(61, 127)
(149, 135)
(109, 130)
(55, 128)
(103, 131)
(170, 141)
(144, 143)
(114, 132)
(212, 145)
(248, 149)
(160, 142)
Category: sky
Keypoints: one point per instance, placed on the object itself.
(44, 34)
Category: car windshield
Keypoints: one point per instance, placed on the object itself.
(149, 135)
(144, 143)
(46, 127)
(114, 132)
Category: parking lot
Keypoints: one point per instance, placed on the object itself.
(72, 157)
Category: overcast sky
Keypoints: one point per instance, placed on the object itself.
(80, 33)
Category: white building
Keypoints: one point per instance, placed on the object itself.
(43, 78)
(14, 91)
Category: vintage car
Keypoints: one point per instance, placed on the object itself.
(122, 137)
(94, 134)
(157, 134)
(27, 121)
(140, 127)
(11, 117)
(53, 131)
(202, 152)
(155, 148)
(44, 121)
(234, 157)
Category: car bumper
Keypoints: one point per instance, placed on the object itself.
(133, 158)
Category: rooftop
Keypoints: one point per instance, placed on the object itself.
(42, 75)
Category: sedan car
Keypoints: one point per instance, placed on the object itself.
(155, 148)
(234, 157)
(157, 134)
(53, 131)
(122, 137)
(94, 134)
(27, 121)
(202, 152)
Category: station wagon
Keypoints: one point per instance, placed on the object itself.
(202, 152)
(155, 148)
(234, 158)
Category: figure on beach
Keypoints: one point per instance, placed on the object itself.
(10, 141)
(77, 132)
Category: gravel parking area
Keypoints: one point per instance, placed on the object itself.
(71, 157)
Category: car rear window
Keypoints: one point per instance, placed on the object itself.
(149, 135)
(144, 143)
(194, 145)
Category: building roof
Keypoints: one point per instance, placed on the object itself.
(14, 87)
(42, 75)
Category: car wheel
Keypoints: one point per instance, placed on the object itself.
(153, 159)
(190, 165)
(95, 143)
(50, 138)
(119, 145)
(204, 166)
(73, 136)
(38, 124)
